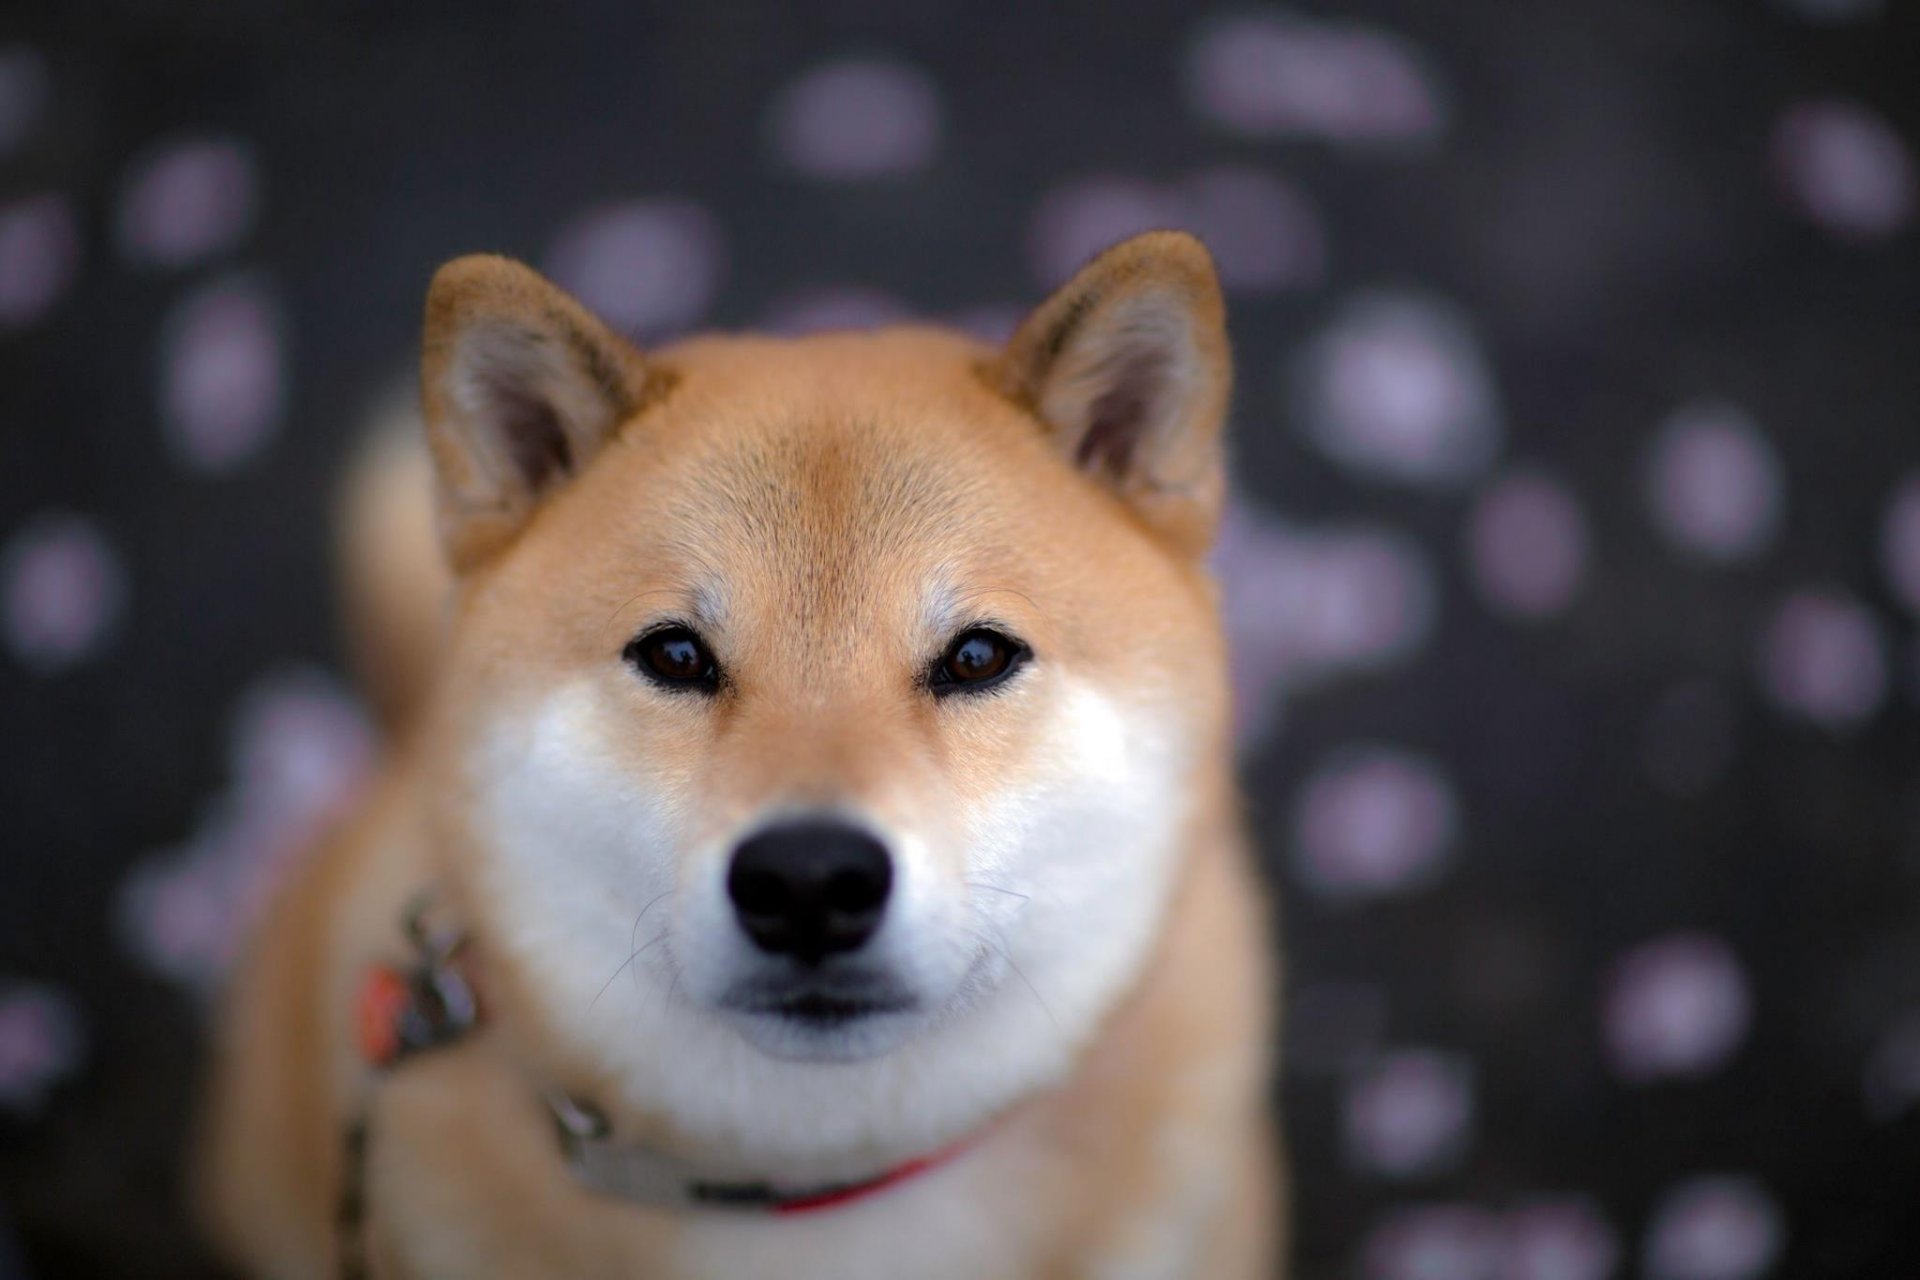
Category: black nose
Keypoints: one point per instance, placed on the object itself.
(810, 888)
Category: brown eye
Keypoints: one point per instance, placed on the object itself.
(675, 657)
(977, 660)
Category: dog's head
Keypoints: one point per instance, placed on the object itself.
(829, 714)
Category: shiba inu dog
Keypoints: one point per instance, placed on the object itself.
(810, 791)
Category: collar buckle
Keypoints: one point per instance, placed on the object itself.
(400, 1012)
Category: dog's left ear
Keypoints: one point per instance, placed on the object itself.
(521, 385)
(1128, 369)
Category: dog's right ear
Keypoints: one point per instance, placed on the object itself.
(521, 385)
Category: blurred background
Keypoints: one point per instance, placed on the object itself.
(1573, 572)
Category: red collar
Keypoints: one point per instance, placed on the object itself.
(402, 1012)
(834, 1197)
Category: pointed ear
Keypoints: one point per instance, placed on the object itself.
(1127, 368)
(521, 385)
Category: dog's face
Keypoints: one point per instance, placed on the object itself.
(842, 700)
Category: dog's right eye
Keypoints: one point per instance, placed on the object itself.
(676, 658)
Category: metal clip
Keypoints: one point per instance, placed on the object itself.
(435, 940)
(578, 1121)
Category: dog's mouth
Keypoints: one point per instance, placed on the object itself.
(845, 1010)
(821, 1008)
(824, 1016)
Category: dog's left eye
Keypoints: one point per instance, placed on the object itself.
(675, 657)
(975, 661)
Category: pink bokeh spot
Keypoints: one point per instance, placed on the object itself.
(39, 254)
(1675, 1008)
(833, 307)
(64, 591)
(1714, 485)
(1823, 658)
(41, 1044)
(1433, 1242)
(1900, 543)
(1075, 221)
(1713, 1227)
(1845, 169)
(1834, 11)
(1272, 74)
(1264, 234)
(1304, 607)
(1891, 1081)
(1558, 1238)
(1409, 1113)
(1373, 822)
(187, 200)
(223, 375)
(1527, 546)
(1395, 388)
(650, 268)
(297, 750)
(1541, 1238)
(857, 119)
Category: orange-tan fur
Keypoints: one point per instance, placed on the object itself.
(824, 482)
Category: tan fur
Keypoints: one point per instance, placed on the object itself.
(396, 590)
(821, 482)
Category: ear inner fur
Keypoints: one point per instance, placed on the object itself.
(521, 385)
(1126, 367)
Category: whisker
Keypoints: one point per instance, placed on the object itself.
(632, 954)
(658, 938)
(657, 900)
(1019, 973)
(995, 888)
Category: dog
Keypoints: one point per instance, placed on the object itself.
(806, 843)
